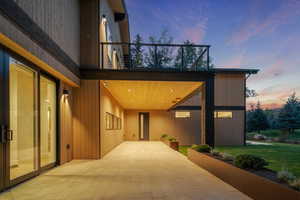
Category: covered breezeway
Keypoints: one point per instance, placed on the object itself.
(133, 170)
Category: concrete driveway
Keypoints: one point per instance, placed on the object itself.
(133, 171)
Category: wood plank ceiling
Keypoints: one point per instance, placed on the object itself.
(149, 95)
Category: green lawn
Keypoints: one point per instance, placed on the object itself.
(277, 133)
(279, 155)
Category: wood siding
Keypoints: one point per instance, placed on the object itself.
(59, 19)
(229, 90)
(14, 39)
(66, 124)
(86, 120)
(89, 34)
(110, 138)
(186, 130)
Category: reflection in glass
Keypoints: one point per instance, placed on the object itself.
(48, 121)
(22, 109)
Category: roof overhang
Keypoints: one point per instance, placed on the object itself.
(235, 70)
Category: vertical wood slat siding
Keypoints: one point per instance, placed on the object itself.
(60, 19)
(86, 121)
(89, 35)
(66, 126)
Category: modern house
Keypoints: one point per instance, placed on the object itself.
(73, 86)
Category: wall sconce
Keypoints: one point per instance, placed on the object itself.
(104, 20)
(65, 94)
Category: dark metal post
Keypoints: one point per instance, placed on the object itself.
(207, 54)
(182, 61)
(155, 57)
(102, 57)
(129, 57)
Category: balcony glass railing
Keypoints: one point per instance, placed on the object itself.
(154, 57)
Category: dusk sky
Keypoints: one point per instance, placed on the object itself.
(261, 34)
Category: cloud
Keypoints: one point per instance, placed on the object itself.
(254, 26)
(195, 33)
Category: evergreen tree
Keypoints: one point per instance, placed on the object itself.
(163, 55)
(250, 93)
(189, 55)
(257, 119)
(289, 116)
(137, 52)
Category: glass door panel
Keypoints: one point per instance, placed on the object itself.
(47, 121)
(22, 120)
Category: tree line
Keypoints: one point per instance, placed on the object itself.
(165, 56)
(286, 118)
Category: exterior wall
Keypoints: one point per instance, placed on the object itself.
(114, 27)
(62, 27)
(110, 138)
(66, 124)
(230, 94)
(86, 120)
(187, 131)
(59, 25)
(230, 131)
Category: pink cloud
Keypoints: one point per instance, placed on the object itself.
(195, 33)
(254, 26)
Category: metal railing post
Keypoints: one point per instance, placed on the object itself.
(129, 57)
(155, 57)
(182, 57)
(102, 56)
(207, 54)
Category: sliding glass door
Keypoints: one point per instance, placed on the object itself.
(22, 119)
(47, 121)
(28, 119)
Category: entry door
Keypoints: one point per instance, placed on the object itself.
(144, 126)
(3, 116)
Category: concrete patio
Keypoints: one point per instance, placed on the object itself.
(133, 170)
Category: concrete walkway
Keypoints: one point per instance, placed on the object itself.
(133, 171)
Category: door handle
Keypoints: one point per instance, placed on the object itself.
(9, 134)
(2, 134)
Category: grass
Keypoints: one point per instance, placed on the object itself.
(273, 133)
(279, 155)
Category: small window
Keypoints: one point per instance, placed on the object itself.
(113, 122)
(182, 114)
(223, 114)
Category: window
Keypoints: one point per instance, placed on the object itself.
(223, 114)
(182, 114)
(113, 122)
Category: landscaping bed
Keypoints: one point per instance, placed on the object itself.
(258, 184)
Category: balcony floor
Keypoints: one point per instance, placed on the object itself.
(133, 170)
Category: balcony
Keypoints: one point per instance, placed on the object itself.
(154, 57)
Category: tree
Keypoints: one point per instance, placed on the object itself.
(257, 119)
(289, 116)
(137, 52)
(190, 57)
(250, 93)
(159, 56)
(186, 58)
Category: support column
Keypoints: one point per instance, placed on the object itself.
(209, 111)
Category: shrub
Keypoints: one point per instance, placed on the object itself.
(295, 184)
(215, 153)
(172, 139)
(246, 161)
(202, 148)
(227, 157)
(164, 136)
(285, 176)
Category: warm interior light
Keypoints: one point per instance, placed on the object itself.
(182, 114)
